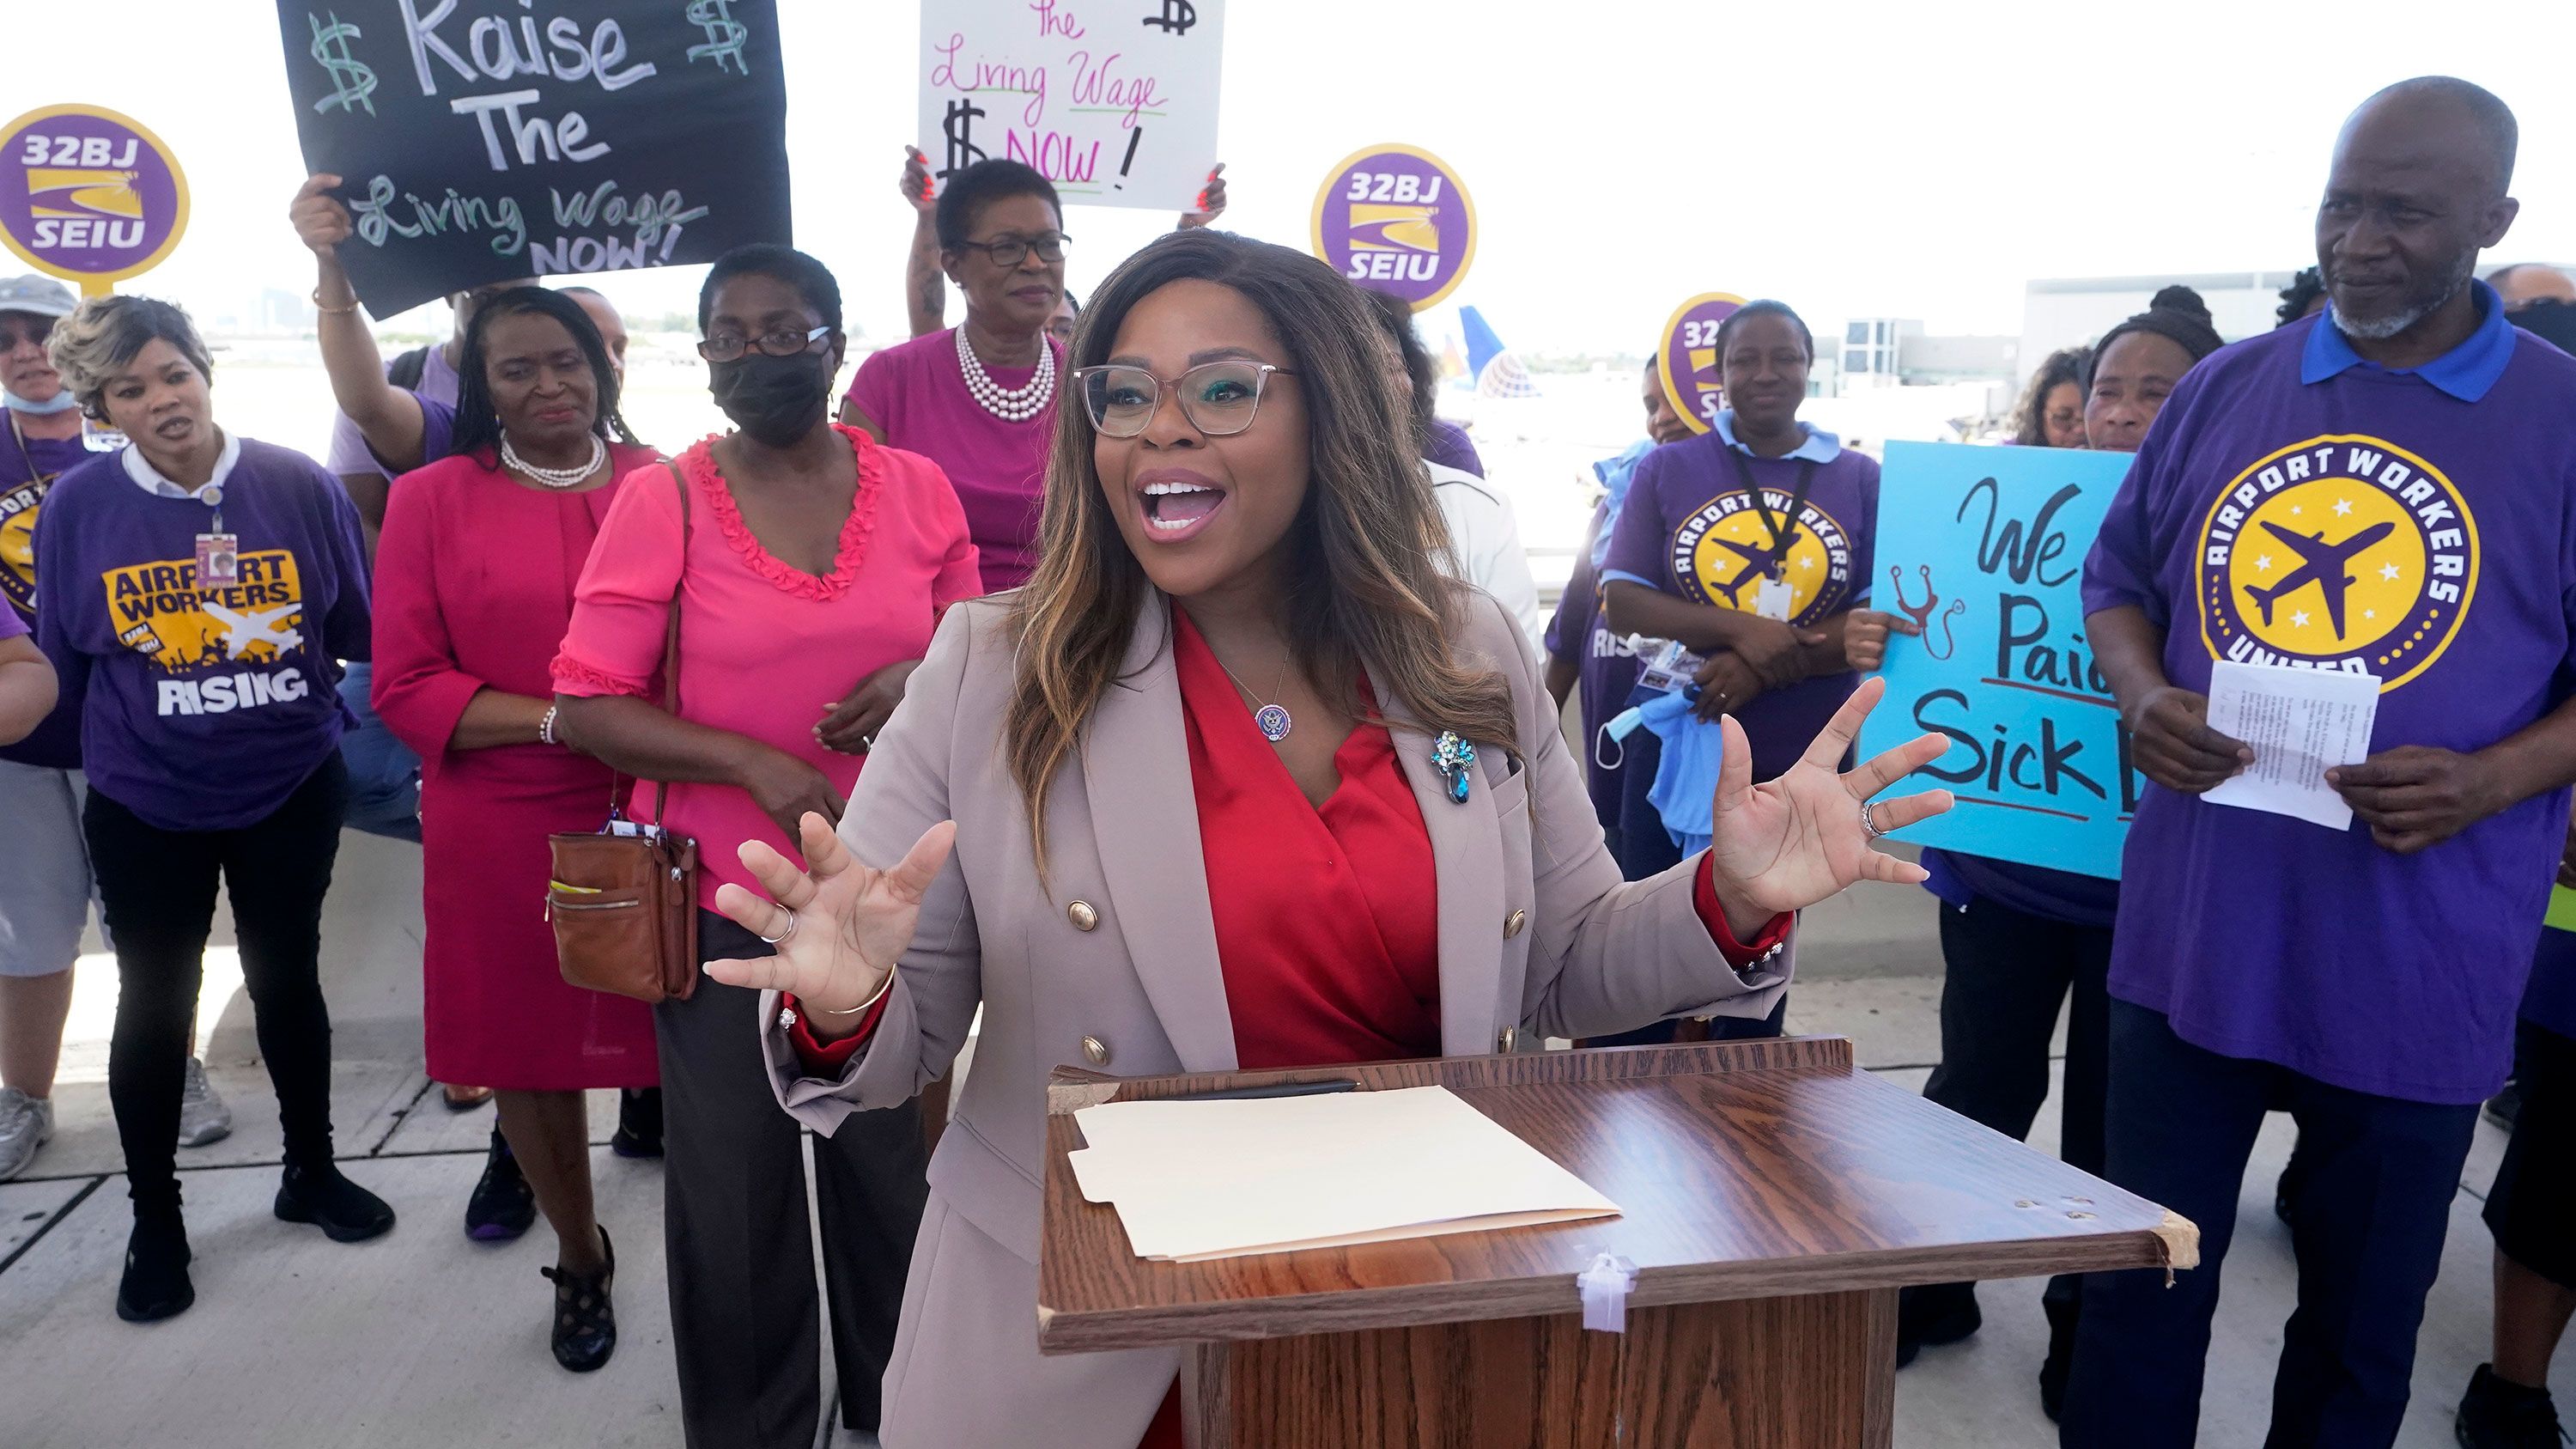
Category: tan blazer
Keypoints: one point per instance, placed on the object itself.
(1116, 967)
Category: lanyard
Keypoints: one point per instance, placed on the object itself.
(1785, 528)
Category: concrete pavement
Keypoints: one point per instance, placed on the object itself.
(423, 1338)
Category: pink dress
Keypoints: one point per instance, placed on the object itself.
(474, 583)
(764, 648)
(916, 395)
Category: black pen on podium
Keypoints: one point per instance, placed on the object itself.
(1275, 1089)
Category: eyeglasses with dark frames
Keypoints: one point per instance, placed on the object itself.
(1010, 251)
(1219, 398)
(785, 342)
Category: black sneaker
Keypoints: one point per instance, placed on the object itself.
(344, 1211)
(503, 1205)
(155, 1285)
(2498, 1415)
(639, 1123)
(585, 1328)
(2506, 1106)
(1935, 1314)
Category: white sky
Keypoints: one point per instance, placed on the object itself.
(1912, 159)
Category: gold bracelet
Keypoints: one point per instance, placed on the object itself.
(330, 311)
(884, 987)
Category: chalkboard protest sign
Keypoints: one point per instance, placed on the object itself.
(1112, 100)
(1984, 548)
(481, 140)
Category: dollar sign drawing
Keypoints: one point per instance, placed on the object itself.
(959, 127)
(725, 35)
(1177, 17)
(351, 81)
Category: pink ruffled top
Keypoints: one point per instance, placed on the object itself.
(765, 648)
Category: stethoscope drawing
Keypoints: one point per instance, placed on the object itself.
(1923, 616)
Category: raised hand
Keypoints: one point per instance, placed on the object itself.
(321, 222)
(915, 185)
(1787, 844)
(839, 925)
(1210, 203)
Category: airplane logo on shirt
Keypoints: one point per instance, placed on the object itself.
(1724, 549)
(2342, 552)
(1759, 561)
(2323, 566)
(245, 629)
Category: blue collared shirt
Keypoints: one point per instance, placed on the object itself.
(2465, 372)
(1820, 446)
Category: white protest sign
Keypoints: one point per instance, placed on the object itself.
(1113, 100)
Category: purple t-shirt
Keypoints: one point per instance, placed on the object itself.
(28, 467)
(349, 452)
(1450, 447)
(202, 708)
(11, 626)
(915, 393)
(1605, 672)
(1691, 530)
(2445, 500)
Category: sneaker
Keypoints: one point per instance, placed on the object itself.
(344, 1211)
(26, 1123)
(503, 1205)
(639, 1123)
(2498, 1415)
(203, 1117)
(155, 1284)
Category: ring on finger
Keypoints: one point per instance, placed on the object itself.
(783, 935)
(1869, 821)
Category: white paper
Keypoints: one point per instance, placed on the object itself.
(2301, 722)
(1199, 1180)
(1117, 107)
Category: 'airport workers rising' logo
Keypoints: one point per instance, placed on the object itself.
(2342, 552)
(1726, 548)
(88, 195)
(1395, 219)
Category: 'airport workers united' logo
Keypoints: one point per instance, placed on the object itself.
(88, 195)
(1727, 547)
(2343, 552)
(1688, 359)
(1395, 219)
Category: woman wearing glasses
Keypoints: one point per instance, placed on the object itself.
(1268, 791)
(979, 399)
(810, 565)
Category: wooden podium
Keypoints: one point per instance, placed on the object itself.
(1774, 1199)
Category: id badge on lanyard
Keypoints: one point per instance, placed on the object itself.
(218, 552)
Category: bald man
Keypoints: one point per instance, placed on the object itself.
(2525, 283)
(2376, 491)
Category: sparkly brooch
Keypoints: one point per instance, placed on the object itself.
(1456, 760)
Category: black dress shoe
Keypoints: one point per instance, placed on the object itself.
(503, 1205)
(346, 1212)
(585, 1330)
(639, 1123)
(155, 1285)
(1934, 1314)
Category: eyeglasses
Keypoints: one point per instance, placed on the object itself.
(785, 342)
(1010, 251)
(33, 333)
(1219, 398)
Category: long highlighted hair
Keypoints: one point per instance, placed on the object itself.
(1364, 583)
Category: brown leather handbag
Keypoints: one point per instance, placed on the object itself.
(624, 899)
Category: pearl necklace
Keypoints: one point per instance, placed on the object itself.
(556, 478)
(1011, 406)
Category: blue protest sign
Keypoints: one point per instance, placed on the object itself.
(1984, 548)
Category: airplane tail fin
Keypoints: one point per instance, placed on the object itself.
(1497, 372)
(1482, 345)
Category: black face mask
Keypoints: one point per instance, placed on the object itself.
(776, 400)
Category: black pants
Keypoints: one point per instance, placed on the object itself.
(736, 1236)
(2531, 1209)
(157, 888)
(2374, 1198)
(2005, 972)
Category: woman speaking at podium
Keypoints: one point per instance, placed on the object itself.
(1238, 780)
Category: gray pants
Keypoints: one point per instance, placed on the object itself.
(743, 1320)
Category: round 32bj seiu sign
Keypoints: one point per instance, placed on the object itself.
(1396, 219)
(1688, 359)
(89, 195)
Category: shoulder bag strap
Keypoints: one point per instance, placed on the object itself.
(671, 638)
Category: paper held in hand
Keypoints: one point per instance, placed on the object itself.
(1219, 1179)
(2301, 722)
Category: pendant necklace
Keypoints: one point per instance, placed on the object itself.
(1272, 718)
